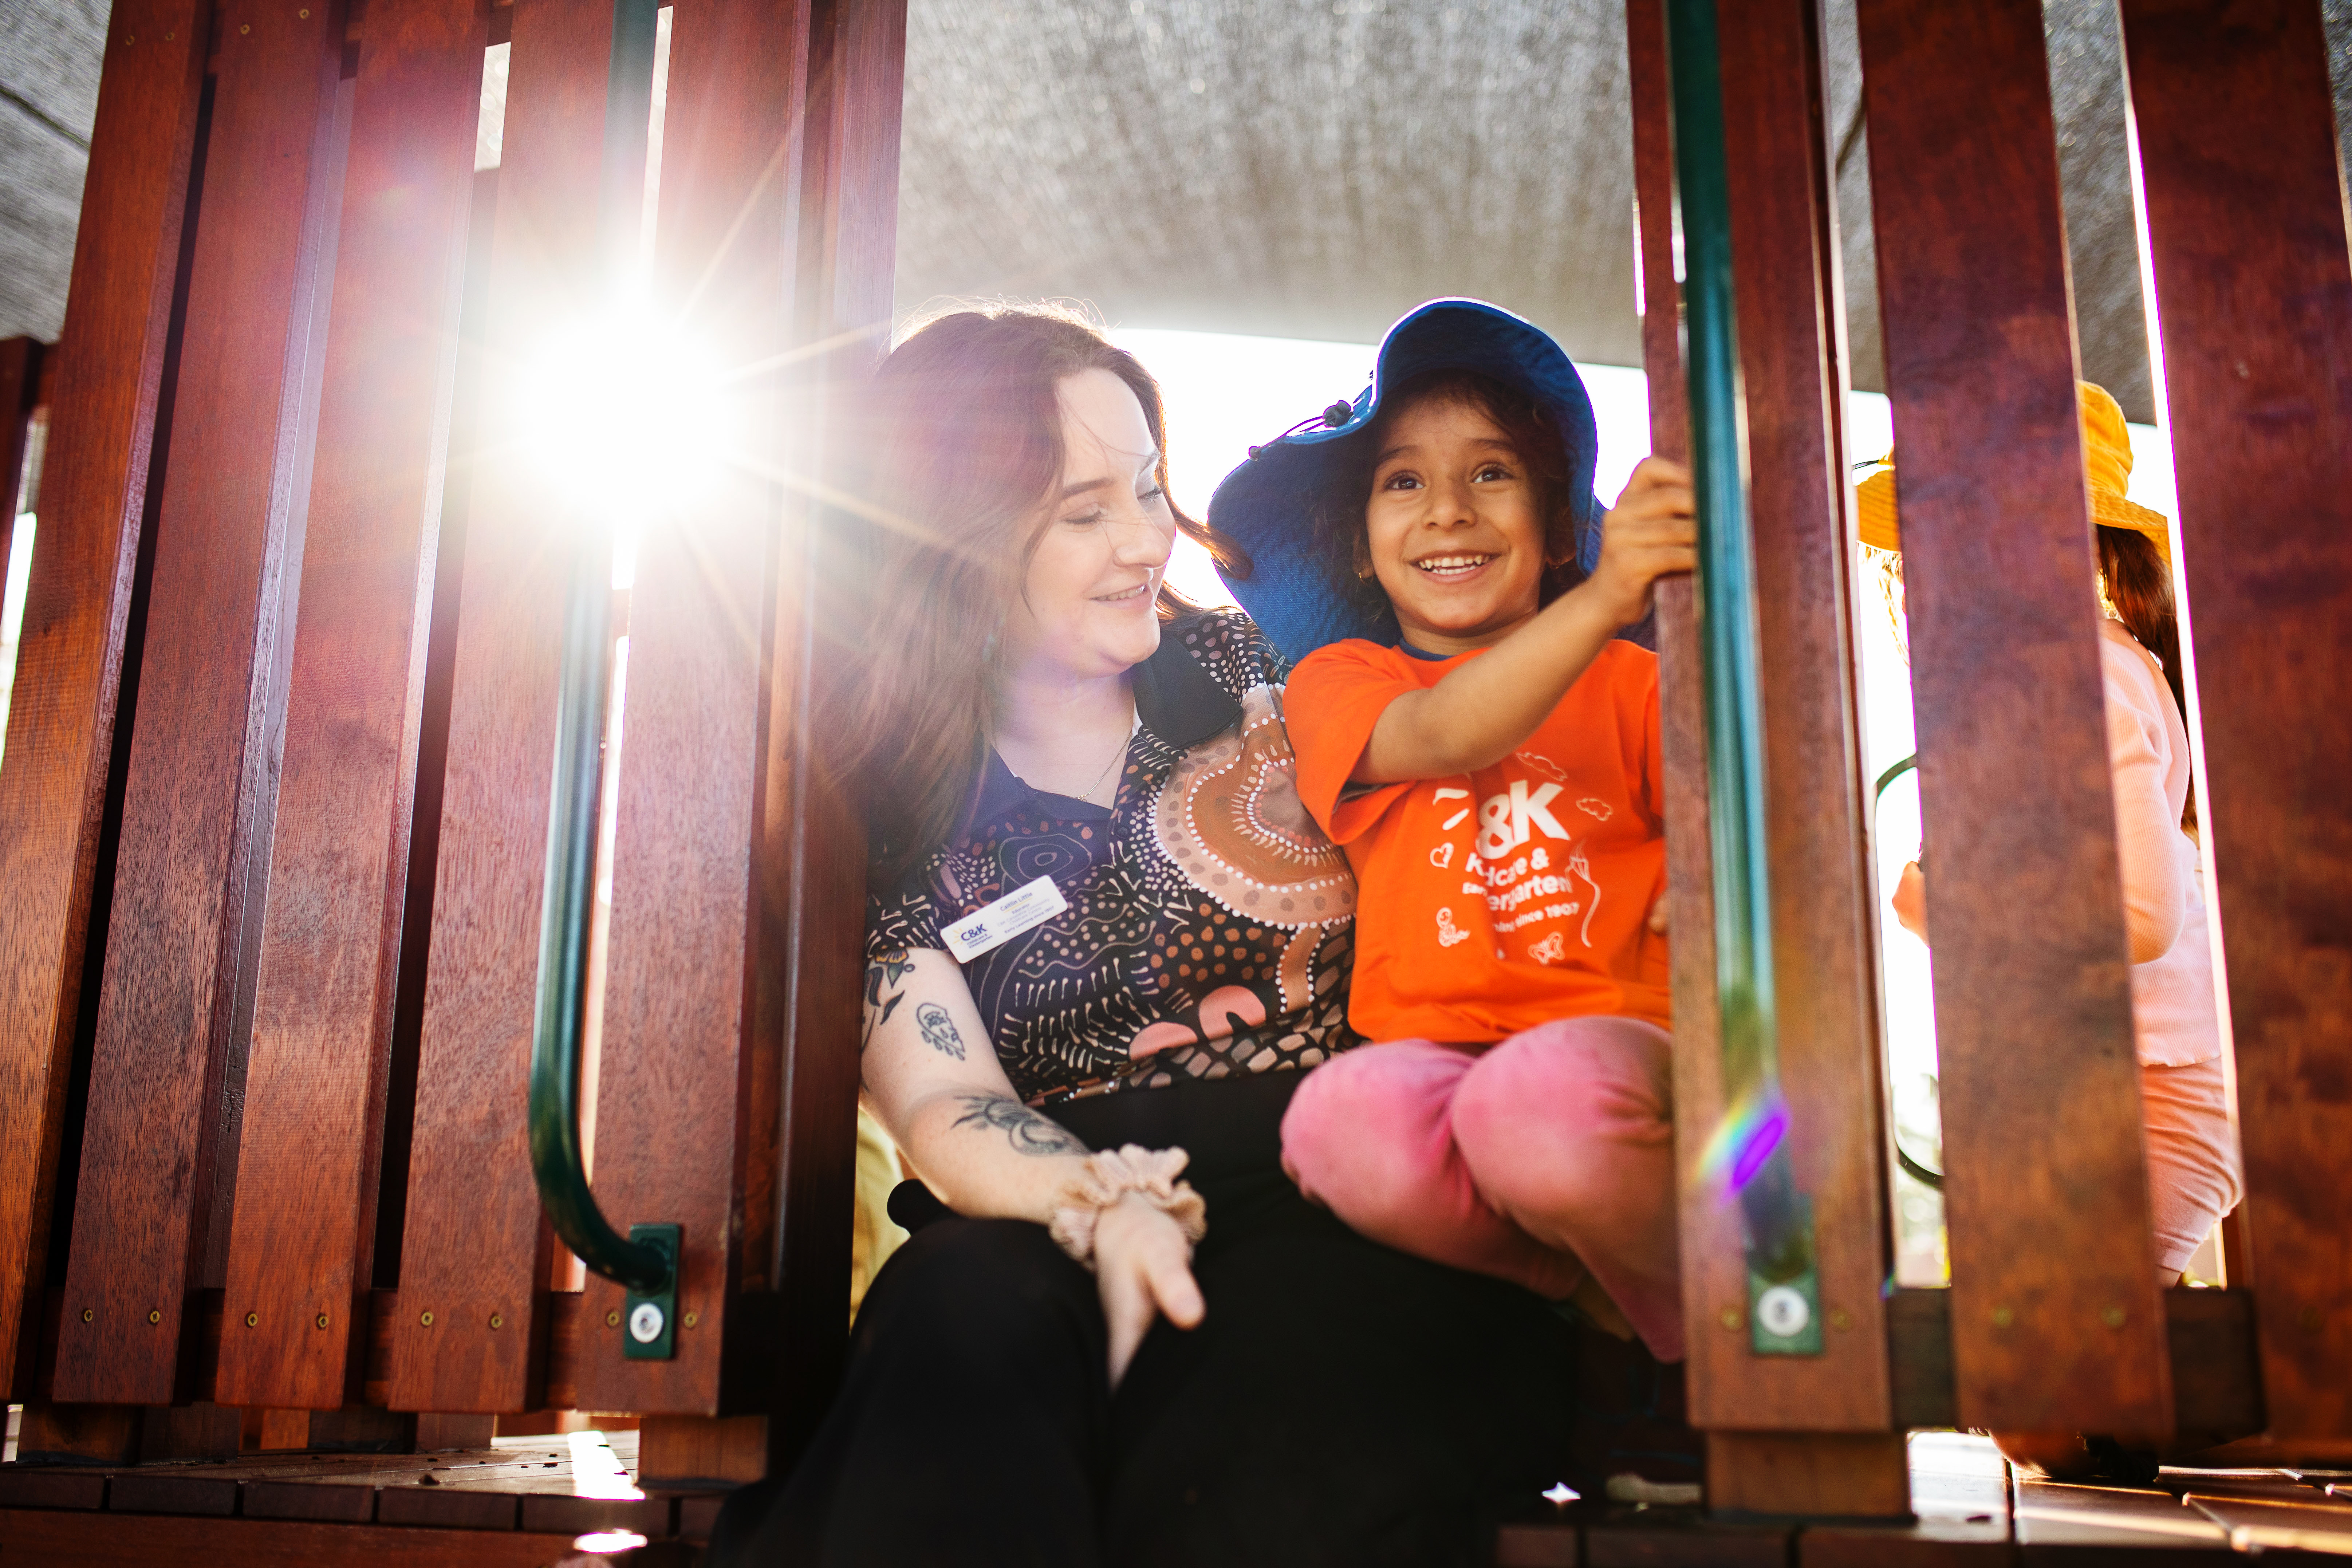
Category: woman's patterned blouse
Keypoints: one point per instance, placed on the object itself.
(1210, 926)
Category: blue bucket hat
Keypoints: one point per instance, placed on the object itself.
(1267, 505)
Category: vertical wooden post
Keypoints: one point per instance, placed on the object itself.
(676, 1139)
(331, 944)
(1790, 336)
(2245, 214)
(476, 1254)
(158, 1140)
(812, 837)
(2057, 1323)
(1791, 312)
(53, 778)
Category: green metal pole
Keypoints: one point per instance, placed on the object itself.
(1784, 1298)
(646, 1267)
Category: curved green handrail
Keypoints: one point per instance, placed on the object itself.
(567, 902)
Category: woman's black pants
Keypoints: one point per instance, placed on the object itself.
(1340, 1404)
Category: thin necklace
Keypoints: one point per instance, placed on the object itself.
(1115, 757)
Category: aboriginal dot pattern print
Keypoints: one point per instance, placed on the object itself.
(1211, 926)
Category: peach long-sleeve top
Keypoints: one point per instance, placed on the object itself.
(2164, 898)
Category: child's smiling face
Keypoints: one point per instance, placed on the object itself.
(1454, 528)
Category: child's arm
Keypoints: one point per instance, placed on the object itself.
(1478, 713)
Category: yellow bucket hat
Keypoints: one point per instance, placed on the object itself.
(2106, 464)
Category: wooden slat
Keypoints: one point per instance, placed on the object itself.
(689, 947)
(201, 785)
(2056, 1320)
(2246, 215)
(61, 740)
(852, 189)
(330, 943)
(1790, 310)
(476, 1245)
(130, 1541)
(20, 384)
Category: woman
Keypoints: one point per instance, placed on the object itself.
(1101, 921)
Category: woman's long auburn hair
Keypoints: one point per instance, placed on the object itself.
(952, 454)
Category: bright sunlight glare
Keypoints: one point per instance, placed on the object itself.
(626, 416)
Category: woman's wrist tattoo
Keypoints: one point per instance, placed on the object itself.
(1029, 1132)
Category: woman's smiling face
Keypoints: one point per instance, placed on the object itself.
(1088, 600)
(1453, 527)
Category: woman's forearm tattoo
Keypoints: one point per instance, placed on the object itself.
(1030, 1133)
(885, 979)
(939, 1030)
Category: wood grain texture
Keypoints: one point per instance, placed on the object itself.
(476, 1245)
(2246, 215)
(2057, 1323)
(1838, 1475)
(858, 70)
(157, 1150)
(1790, 309)
(60, 738)
(330, 943)
(684, 1061)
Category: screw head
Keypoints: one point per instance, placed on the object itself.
(497, 1320)
(320, 1320)
(2002, 1317)
(253, 1320)
(2111, 1316)
(87, 1315)
(154, 1315)
(611, 1319)
(1729, 1319)
(245, 27)
(425, 1318)
(1841, 1319)
(646, 1322)
(692, 1319)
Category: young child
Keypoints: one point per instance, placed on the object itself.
(1469, 727)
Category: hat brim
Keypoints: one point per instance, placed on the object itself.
(1268, 504)
(1876, 523)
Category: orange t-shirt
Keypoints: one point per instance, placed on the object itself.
(1491, 903)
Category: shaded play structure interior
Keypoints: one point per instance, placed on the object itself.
(317, 450)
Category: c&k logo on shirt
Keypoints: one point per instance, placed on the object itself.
(1507, 821)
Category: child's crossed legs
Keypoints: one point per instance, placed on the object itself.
(1541, 1157)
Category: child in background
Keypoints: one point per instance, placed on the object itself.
(1468, 727)
(2192, 1162)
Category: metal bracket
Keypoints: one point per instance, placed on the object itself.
(649, 1321)
(1784, 1316)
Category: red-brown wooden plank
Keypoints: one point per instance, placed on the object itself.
(689, 948)
(200, 787)
(476, 1246)
(109, 369)
(2246, 222)
(855, 98)
(330, 945)
(1791, 312)
(2056, 1320)
(20, 384)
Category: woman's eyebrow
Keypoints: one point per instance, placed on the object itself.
(1151, 460)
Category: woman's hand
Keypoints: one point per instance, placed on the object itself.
(1911, 901)
(1652, 531)
(1143, 1267)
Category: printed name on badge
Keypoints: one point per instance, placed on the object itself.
(992, 925)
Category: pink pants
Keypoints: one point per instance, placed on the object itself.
(1538, 1160)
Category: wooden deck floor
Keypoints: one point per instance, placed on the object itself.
(527, 1502)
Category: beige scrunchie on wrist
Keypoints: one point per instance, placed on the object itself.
(1108, 1175)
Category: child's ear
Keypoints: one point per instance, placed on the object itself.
(1363, 557)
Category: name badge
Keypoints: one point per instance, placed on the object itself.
(992, 925)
